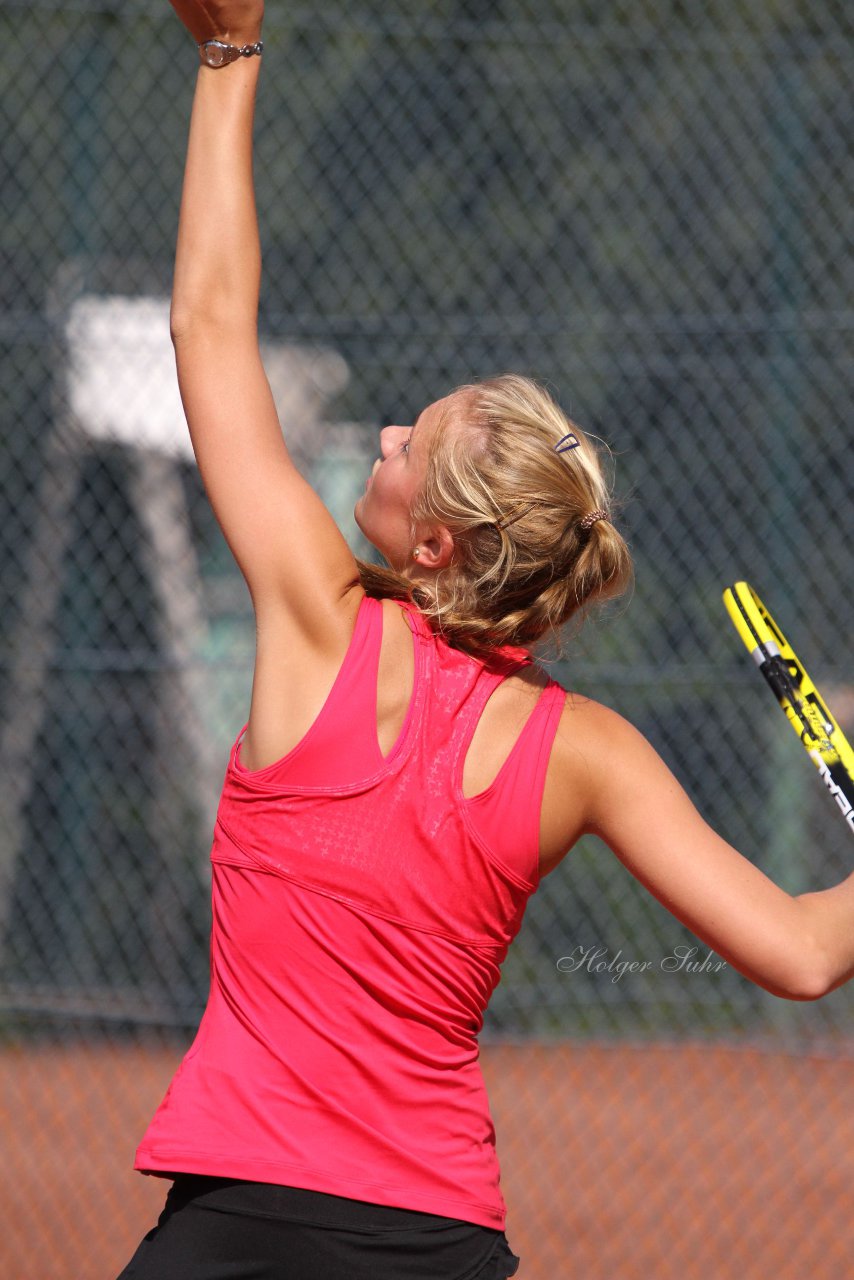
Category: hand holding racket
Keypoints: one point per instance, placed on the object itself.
(805, 709)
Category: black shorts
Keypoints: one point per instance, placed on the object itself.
(224, 1229)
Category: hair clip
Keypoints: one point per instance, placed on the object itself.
(569, 441)
(520, 511)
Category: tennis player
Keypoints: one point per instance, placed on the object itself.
(407, 776)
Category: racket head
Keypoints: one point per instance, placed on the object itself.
(804, 707)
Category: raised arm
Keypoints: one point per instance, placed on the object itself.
(797, 947)
(296, 562)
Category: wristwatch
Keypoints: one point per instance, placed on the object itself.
(215, 53)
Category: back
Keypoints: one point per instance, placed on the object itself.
(362, 910)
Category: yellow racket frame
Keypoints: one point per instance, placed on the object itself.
(805, 708)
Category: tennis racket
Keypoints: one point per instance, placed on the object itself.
(805, 709)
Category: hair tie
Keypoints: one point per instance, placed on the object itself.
(569, 441)
(587, 522)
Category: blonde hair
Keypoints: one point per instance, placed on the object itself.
(524, 563)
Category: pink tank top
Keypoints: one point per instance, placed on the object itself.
(362, 908)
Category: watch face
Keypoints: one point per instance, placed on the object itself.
(215, 54)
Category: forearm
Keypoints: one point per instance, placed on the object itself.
(829, 922)
(218, 256)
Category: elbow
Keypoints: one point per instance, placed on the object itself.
(179, 323)
(186, 321)
(820, 983)
(810, 989)
(812, 977)
(808, 961)
(213, 323)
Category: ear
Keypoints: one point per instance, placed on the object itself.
(435, 550)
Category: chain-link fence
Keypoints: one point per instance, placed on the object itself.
(647, 205)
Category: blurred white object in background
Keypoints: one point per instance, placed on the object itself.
(122, 384)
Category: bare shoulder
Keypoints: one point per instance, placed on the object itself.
(622, 790)
(602, 742)
(582, 714)
(592, 742)
(589, 732)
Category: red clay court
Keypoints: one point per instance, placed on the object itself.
(621, 1162)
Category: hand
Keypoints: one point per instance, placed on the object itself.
(234, 21)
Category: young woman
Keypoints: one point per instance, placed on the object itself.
(406, 777)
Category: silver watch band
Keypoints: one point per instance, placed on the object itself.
(216, 53)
